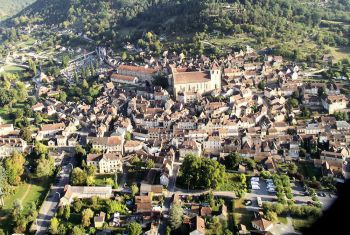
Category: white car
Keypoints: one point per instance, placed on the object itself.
(254, 183)
(256, 179)
(255, 187)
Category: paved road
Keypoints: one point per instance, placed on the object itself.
(50, 205)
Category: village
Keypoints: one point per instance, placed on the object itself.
(281, 133)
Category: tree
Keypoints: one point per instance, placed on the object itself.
(191, 173)
(114, 206)
(79, 151)
(272, 216)
(40, 148)
(45, 167)
(26, 134)
(78, 230)
(134, 189)
(65, 61)
(232, 161)
(62, 230)
(124, 56)
(134, 228)
(127, 136)
(149, 163)
(54, 225)
(66, 213)
(79, 176)
(293, 103)
(77, 205)
(14, 166)
(87, 214)
(175, 216)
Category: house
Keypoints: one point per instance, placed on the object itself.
(132, 146)
(10, 145)
(332, 156)
(112, 144)
(142, 73)
(105, 163)
(118, 78)
(50, 130)
(143, 204)
(189, 147)
(38, 107)
(198, 82)
(99, 220)
(334, 103)
(212, 145)
(342, 126)
(72, 192)
(6, 129)
(261, 224)
(197, 226)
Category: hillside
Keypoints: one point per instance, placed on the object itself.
(267, 22)
(12, 7)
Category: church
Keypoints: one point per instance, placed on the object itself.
(190, 86)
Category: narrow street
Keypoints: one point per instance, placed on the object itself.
(50, 205)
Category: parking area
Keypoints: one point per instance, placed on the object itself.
(299, 194)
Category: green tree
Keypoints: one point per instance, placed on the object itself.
(78, 230)
(134, 189)
(40, 149)
(149, 163)
(272, 216)
(134, 228)
(191, 173)
(114, 206)
(87, 214)
(79, 176)
(175, 216)
(127, 136)
(65, 61)
(124, 56)
(232, 161)
(14, 166)
(54, 225)
(66, 213)
(45, 167)
(77, 205)
(26, 134)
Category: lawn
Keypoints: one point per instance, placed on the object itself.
(339, 53)
(13, 69)
(299, 224)
(242, 215)
(232, 182)
(100, 179)
(26, 193)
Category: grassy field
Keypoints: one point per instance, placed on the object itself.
(100, 179)
(12, 69)
(242, 215)
(26, 193)
(232, 182)
(299, 224)
(339, 53)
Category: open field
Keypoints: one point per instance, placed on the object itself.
(12, 69)
(26, 193)
(242, 215)
(232, 182)
(339, 53)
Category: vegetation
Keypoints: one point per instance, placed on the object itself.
(192, 173)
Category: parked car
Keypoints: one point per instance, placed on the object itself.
(248, 202)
